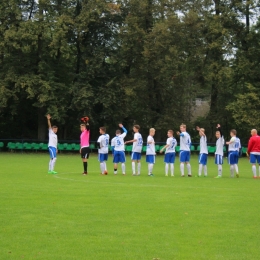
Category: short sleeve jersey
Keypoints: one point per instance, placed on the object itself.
(203, 145)
(84, 139)
(235, 144)
(118, 142)
(53, 139)
(185, 141)
(219, 146)
(104, 142)
(137, 146)
(171, 142)
(150, 149)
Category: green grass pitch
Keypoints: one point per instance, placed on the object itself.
(70, 216)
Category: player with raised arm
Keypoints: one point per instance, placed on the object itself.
(118, 149)
(136, 150)
(219, 150)
(84, 143)
(233, 152)
(150, 151)
(253, 150)
(185, 143)
(103, 142)
(169, 157)
(52, 145)
(203, 156)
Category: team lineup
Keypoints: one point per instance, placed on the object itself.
(118, 150)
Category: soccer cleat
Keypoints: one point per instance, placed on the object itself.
(197, 176)
(182, 175)
(105, 172)
(217, 177)
(166, 175)
(205, 175)
(151, 175)
(237, 175)
(189, 175)
(53, 172)
(172, 175)
(123, 173)
(49, 172)
(84, 173)
(254, 177)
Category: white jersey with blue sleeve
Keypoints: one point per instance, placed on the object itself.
(118, 142)
(219, 146)
(150, 150)
(104, 142)
(235, 144)
(171, 142)
(185, 141)
(53, 139)
(138, 144)
(203, 145)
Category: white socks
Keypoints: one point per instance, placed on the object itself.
(189, 168)
(138, 168)
(182, 168)
(236, 168)
(102, 167)
(150, 168)
(123, 168)
(254, 170)
(219, 170)
(133, 167)
(232, 170)
(167, 169)
(52, 164)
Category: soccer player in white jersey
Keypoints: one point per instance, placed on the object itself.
(233, 152)
(150, 151)
(219, 150)
(253, 150)
(203, 156)
(137, 149)
(53, 142)
(169, 157)
(185, 143)
(118, 149)
(103, 142)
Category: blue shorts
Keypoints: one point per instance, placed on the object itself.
(218, 159)
(136, 156)
(119, 156)
(184, 156)
(150, 158)
(169, 158)
(203, 158)
(102, 157)
(233, 157)
(53, 152)
(254, 158)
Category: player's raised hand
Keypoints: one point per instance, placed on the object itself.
(48, 116)
(120, 125)
(178, 133)
(218, 126)
(197, 128)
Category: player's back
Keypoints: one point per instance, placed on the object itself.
(171, 141)
(185, 141)
(137, 146)
(118, 142)
(254, 144)
(235, 144)
(104, 142)
(203, 145)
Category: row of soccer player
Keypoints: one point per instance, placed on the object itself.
(118, 150)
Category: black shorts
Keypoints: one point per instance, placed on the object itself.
(85, 152)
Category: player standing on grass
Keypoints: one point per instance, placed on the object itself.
(169, 156)
(103, 142)
(253, 150)
(203, 156)
(219, 150)
(53, 142)
(185, 143)
(118, 149)
(150, 151)
(233, 152)
(136, 150)
(84, 143)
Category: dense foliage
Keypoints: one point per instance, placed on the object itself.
(130, 61)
